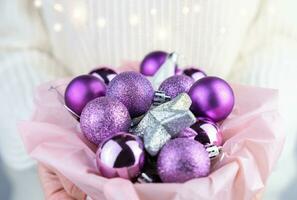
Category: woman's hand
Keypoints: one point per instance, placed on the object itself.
(57, 187)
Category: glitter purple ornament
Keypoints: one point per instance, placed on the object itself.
(182, 159)
(208, 133)
(187, 133)
(194, 73)
(81, 90)
(212, 98)
(105, 74)
(104, 117)
(121, 155)
(176, 85)
(133, 90)
(152, 62)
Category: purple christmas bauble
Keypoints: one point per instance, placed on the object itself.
(152, 62)
(105, 74)
(122, 155)
(182, 159)
(187, 133)
(212, 98)
(133, 90)
(81, 90)
(176, 84)
(207, 132)
(194, 73)
(104, 117)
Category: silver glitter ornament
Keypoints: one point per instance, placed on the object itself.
(166, 70)
(163, 122)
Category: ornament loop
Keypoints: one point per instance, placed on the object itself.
(160, 97)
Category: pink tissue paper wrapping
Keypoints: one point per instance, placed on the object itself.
(253, 140)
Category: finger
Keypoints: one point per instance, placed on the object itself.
(52, 187)
(70, 188)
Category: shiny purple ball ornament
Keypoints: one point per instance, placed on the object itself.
(212, 98)
(82, 90)
(182, 159)
(121, 156)
(194, 73)
(152, 62)
(208, 133)
(103, 117)
(176, 84)
(133, 90)
(105, 74)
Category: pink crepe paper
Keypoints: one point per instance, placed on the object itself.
(253, 142)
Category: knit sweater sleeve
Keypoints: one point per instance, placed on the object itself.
(25, 61)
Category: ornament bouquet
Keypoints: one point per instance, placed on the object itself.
(160, 133)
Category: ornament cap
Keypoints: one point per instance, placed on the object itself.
(213, 150)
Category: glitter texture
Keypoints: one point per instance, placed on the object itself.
(104, 117)
(175, 85)
(133, 90)
(181, 160)
(163, 122)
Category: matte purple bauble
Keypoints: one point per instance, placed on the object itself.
(212, 97)
(133, 90)
(81, 90)
(104, 117)
(182, 159)
(120, 156)
(105, 74)
(194, 73)
(176, 84)
(152, 62)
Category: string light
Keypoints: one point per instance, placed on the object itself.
(79, 15)
(185, 10)
(37, 3)
(58, 7)
(57, 27)
(134, 20)
(153, 11)
(197, 8)
(223, 30)
(161, 34)
(101, 22)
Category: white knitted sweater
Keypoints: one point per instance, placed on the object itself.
(252, 42)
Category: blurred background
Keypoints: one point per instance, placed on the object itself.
(249, 42)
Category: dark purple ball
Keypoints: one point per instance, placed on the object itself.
(176, 84)
(133, 90)
(104, 117)
(121, 155)
(194, 73)
(208, 132)
(152, 62)
(105, 74)
(82, 90)
(182, 159)
(212, 98)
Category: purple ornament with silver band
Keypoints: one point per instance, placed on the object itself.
(152, 62)
(182, 159)
(82, 90)
(105, 74)
(133, 90)
(212, 98)
(208, 133)
(121, 156)
(176, 85)
(103, 117)
(194, 73)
